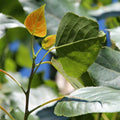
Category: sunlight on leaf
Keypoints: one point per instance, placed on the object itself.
(78, 43)
(89, 100)
(36, 23)
(48, 42)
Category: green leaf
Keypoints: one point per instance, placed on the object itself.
(78, 43)
(8, 22)
(89, 100)
(18, 33)
(2, 47)
(106, 69)
(86, 79)
(19, 115)
(112, 22)
(37, 80)
(10, 65)
(54, 10)
(23, 57)
(13, 8)
(74, 28)
(87, 4)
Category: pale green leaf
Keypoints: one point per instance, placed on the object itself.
(89, 100)
(106, 69)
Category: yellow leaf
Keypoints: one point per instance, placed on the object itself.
(48, 42)
(35, 22)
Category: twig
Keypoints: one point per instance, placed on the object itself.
(56, 99)
(13, 79)
(45, 62)
(38, 52)
(38, 65)
(7, 113)
(28, 91)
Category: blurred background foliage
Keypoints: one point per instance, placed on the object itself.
(15, 52)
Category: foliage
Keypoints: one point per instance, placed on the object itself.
(105, 70)
(80, 56)
(75, 47)
(36, 26)
(89, 100)
(23, 57)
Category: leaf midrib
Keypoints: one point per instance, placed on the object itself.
(108, 68)
(82, 40)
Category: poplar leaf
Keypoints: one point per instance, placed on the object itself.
(48, 42)
(89, 100)
(78, 43)
(36, 22)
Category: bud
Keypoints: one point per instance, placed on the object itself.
(48, 42)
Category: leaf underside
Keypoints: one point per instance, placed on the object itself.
(89, 100)
(106, 69)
